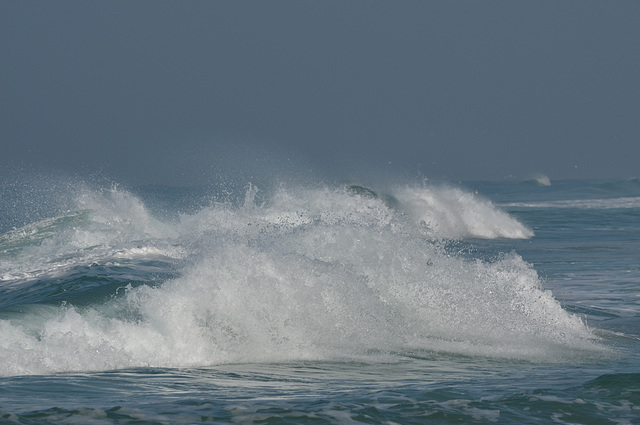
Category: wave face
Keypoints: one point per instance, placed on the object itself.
(325, 273)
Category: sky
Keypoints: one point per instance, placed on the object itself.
(168, 92)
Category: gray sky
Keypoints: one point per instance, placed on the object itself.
(179, 92)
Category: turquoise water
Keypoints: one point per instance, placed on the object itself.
(481, 302)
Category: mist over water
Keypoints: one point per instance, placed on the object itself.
(327, 272)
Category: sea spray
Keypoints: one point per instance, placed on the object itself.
(102, 226)
(301, 274)
(452, 213)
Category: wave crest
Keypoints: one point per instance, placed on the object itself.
(326, 273)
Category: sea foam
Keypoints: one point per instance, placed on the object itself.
(327, 273)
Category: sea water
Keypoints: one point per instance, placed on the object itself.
(479, 302)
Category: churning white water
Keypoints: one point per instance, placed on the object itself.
(328, 273)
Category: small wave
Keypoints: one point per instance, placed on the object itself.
(620, 187)
(540, 180)
(604, 204)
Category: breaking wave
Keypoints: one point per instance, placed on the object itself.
(324, 273)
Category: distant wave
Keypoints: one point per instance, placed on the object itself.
(540, 180)
(624, 202)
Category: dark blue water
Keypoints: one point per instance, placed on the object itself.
(486, 302)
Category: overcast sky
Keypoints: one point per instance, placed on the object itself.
(178, 92)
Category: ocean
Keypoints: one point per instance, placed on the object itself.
(511, 302)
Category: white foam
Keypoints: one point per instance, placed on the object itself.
(605, 204)
(121, 211)
(453, 213)
(541, 180)
(311, 274)
(107, 224)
